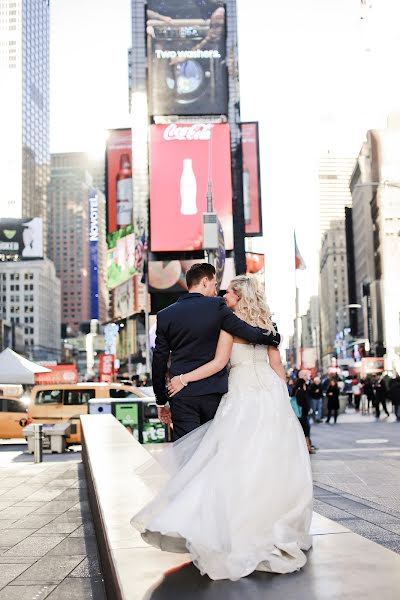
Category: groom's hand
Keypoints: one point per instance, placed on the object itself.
(164, 414)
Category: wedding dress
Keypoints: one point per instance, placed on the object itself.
(236, 493)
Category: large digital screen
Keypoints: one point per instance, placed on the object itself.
(186, 47)
(182, 158)
(251, 180)
(21, 239)
(170, 276)
(119, 179)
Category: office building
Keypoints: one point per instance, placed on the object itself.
(30, 295)
(70, 186)
(24, 107)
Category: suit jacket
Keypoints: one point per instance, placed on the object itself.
(188, 331)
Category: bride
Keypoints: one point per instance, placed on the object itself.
(237, 491)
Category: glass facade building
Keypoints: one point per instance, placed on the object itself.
(24, 109)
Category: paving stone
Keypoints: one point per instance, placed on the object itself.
(32, 546)
(10, 537)
(69, 517)
(16, 512)
(61, 483)
(81, 507)
(5, 523)
(72, 494)
(11, 482)
(21, 560)
(84, 589)
(86, 528)
(21, 492)
(44, 494)
(33, 521)
(49, 569)
(58, 527)
(376, 516)
(56, 507)
(75, 545)
(26, 592)
(90, 567)
(9, 572)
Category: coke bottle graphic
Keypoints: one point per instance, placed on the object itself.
(124, 191)
(188, 186)
(246, 197)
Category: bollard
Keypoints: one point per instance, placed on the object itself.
(38, 443)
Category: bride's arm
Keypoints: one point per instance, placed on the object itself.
(275, 362)
(215, 365)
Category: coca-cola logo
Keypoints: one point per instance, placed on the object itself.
(201, 131)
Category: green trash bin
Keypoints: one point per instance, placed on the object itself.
(153, 431)
(128, 414)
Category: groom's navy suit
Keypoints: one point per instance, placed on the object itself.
(187, 334)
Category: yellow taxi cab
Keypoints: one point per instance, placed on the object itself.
(13, 417)
(66, 402)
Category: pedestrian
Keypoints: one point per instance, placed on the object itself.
(369, 391)
(317, 402)
(356, 390)
(380, 397)
(332, 393)
(302, 401)
(395, 395)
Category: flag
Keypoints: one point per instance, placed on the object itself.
(299, 262)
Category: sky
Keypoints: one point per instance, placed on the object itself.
(313, 73)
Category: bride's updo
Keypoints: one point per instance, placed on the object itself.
(252, 306)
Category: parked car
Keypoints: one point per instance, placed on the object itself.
(13, 418)
(66, 402)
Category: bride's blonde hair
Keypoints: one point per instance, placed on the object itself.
(252, 306)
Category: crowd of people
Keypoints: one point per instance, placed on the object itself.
(317, 399)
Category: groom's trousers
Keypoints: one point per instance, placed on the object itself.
(189, 412)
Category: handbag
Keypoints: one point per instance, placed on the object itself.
(295, 406)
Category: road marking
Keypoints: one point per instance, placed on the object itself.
(372, 441)
(326, 450)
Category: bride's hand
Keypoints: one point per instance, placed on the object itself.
(175, 385)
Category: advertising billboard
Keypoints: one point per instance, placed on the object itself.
(58, 374)
(169, 276)
(119, 179)
(186, 49)
(123, 300)
(93, 253)
(106, 369)
(251, 180)
(181, 157)
(21, 239)
(121, 256)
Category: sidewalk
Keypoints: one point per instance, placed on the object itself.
(47, 543)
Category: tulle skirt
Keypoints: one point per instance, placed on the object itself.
(235, 493)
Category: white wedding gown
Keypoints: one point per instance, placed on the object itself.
(236, 492)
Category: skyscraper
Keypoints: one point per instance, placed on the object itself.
(334, 188)
(70, 186)
(24, 108)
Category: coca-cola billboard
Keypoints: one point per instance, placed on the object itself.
(186, 48)
(182, 158)
(251, 180)
(119, 179)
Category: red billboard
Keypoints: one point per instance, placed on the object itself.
(106, 367)
(180, 155)
(58, 374)
(119, 179)
(251, 180)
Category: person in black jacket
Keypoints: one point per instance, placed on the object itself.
(187, 336)
(395, 395)
(380, 397)
(332, 394)
(302, 401)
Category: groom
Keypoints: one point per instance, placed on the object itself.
(187, 335)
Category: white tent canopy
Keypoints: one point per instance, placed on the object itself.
(17, 369)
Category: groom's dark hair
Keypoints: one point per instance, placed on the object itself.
(197, 272)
